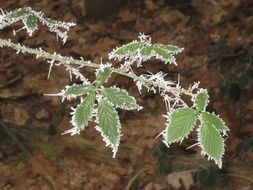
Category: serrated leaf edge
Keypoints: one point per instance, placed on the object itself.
(167, 123)
(101, 68)
(28, 29)
(218, 162)
(124, 106)
(136, 56)
(224, 131)
(194, 98)
(172, 52)
(69, 97)
(76, 128)
(104, 137)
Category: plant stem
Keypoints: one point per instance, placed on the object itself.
(39, 53)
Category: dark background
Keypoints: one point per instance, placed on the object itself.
(217, 37)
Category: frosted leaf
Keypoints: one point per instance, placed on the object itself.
(179, 125)
(142, 50)
(120, 98)
(109, 125)
(211, 141)
(30, 17)
(83, 113)
(215, 121)
(163, 54)
(30, 24)
(102, 75)
(201, 100)
(146, 51)
(76, 90)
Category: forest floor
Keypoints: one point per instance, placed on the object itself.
(217, 37)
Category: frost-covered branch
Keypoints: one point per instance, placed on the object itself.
(29, 18)
(149, 81)
(100, 103)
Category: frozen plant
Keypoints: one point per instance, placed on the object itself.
(100, 103)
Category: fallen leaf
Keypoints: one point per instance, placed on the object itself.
(181, 179)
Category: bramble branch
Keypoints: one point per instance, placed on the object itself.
(40, 53)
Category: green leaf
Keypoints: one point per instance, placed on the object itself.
(210, 140)
(120, 98)
(31, 24)
(77, 90)
(180, 124)
(163, 54)
(146, 51)
(201, 100)
(83, 113)
(143, 50)
(18, 13)
(103, 75)
(213, 120)
(170, 48)
(109, 124)
(128, 49)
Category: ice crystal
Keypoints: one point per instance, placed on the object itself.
(73, 131)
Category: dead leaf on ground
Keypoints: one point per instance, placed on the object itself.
(178, 180)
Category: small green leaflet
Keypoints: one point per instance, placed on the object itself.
(103, 75)
(211, 141)
(180, 124)
(76, 90)
(201, 100)
(120, 98)
(214, 120)
(18, 13)
(30, 23)
(83, 113)
(109, 124)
